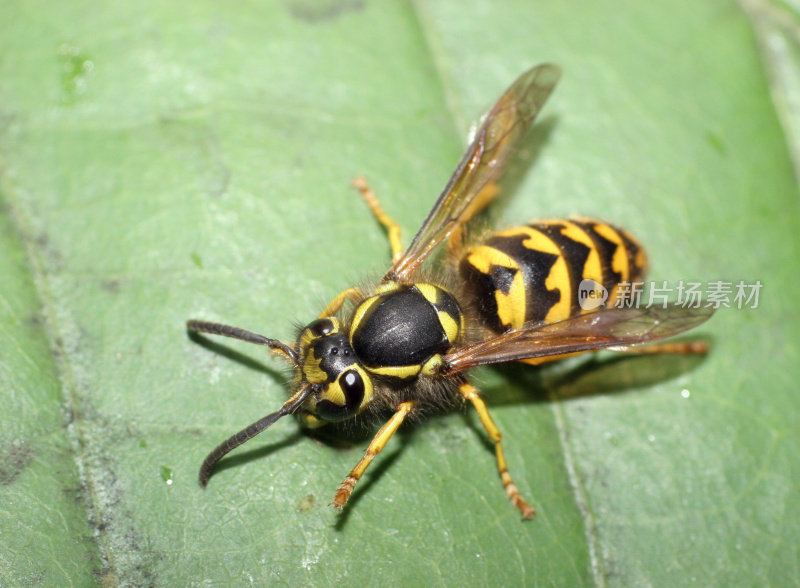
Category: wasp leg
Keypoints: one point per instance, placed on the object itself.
(471, 393)
(670, 348)
(375, 447)
(674, 347)
(394, 242)
(337, 302)
(391, 226)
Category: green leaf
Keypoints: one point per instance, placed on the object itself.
(160, 162)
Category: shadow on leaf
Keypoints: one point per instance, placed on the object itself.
(236, 356)
(244, 457)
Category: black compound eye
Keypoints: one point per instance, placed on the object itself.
(356, 389)
(321, 327)
(353, 386)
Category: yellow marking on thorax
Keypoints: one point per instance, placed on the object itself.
(433, 365)
(386, 287)
(433, 294)
(362, 310)
(429, 292)
(450, 326)
(403, 372)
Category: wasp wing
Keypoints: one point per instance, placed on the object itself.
(496, 138)
(610, 327)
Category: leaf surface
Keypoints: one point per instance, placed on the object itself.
(160, 162)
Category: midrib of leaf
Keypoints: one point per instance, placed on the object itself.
(59, 348)
(777, 30)
(578, 492)
(438, 58)
(461, 124)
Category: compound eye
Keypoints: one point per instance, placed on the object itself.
(353, 386)
(321, 327)
(343, 398)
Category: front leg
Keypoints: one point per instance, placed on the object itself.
(375, 447)
(392, 228)
(353, 293)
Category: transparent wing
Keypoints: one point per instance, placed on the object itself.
(610, 327)
(496, 138)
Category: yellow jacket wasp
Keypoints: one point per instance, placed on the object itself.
(405, 344)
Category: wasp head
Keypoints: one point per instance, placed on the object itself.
(341, 387)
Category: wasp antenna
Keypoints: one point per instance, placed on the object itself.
(248, 433)
(243, 335)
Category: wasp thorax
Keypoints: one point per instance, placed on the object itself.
(341, 386)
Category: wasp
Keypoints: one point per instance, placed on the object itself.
(403, 346)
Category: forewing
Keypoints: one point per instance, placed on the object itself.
(610, 327)
(494, 141)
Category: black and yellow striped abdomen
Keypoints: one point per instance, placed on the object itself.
(533, 272)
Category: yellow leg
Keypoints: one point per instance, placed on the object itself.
(335, 304)
(471, 393)
(392, 227)
(670, 347)
(375, 447)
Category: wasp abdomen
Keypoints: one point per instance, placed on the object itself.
(395, 332)
(533, 272)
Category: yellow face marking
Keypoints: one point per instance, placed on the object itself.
(334, 393)
(309, 421)
(311, 370)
